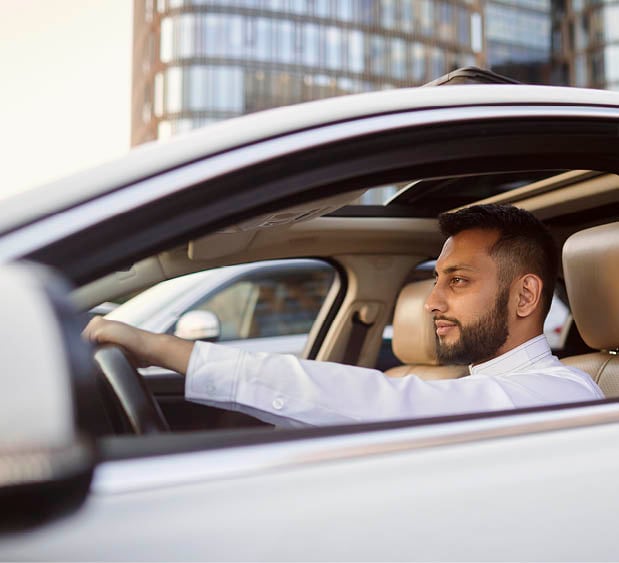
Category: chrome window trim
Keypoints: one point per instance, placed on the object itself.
(117, 477)
(63, 224)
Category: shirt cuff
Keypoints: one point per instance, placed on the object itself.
(212, 373)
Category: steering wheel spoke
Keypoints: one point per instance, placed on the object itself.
(130, 390)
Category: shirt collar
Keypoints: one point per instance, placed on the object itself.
(517, 359)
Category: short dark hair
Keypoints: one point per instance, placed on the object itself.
(525, 244)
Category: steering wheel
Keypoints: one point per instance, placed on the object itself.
(129, 388)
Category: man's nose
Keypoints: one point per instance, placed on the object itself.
(435, 301)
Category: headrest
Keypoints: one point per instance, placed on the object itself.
(413, 329)
(591, 268)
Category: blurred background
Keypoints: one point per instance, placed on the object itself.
(86, 79)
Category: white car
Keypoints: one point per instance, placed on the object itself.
(99, 464)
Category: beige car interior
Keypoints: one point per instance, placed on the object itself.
(377, 255)
(591, 266)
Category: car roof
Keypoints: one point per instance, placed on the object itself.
(153, 158)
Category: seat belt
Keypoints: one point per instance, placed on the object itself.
(362, 321)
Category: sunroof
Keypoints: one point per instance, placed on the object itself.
(428, 198)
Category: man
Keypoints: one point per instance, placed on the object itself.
(494, 285)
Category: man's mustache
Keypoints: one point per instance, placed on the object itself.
(448, 319)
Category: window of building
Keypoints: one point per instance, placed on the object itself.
(322, 8)
(210, 32)
(264, 36)
(356, 54)
(199, 84)
(476, 33)
(366, 11)
(185, 38)
(611, 22)
(285, 41)
(377, 55)
(398, 58)
(417, 58)
(311, 53)
(276, 5)
(173, 90)
(345, 11)
(333, 48)
(387, 13)
(235, 37)
(426, 17)
(166, 40)
(297, 7)
(407, 20)
(228, 89)
(611, 63)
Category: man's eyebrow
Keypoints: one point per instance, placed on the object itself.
(456, 268)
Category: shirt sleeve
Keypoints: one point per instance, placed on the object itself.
(286, 391)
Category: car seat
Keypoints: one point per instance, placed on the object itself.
(591, 268)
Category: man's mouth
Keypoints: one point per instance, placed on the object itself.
(444, 327)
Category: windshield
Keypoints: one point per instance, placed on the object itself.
(146, 304)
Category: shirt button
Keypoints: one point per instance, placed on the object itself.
(278, 404)
(210, 388)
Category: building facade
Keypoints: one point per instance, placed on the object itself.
(198, 61)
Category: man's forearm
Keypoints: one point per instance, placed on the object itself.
(168, 352)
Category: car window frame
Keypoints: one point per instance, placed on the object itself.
(328, 166)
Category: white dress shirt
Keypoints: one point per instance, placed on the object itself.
(286, 391)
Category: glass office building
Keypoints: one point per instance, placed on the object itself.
(586, 47)
(199, 61)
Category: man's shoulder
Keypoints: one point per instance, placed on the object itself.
(553, 375)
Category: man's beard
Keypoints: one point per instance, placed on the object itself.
(480, 340)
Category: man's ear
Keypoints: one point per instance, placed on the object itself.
(529, 294)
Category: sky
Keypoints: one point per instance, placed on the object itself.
(65, 91)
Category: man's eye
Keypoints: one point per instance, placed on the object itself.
(457, 281)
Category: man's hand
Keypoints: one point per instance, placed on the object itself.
(143, 348)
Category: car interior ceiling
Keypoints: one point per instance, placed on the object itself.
(542, 192)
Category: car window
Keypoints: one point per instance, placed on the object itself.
(277, 302)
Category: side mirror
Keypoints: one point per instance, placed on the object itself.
(198, 325)
(46, 460)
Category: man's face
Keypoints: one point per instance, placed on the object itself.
(469, 308)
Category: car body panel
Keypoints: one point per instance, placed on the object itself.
(486, 500)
